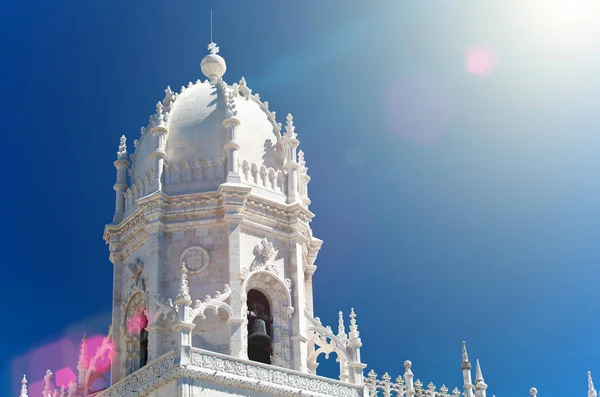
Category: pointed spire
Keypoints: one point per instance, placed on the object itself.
(122, 153)
(341, 328)
(183, 294)
(47, 385)
(465, 357)
(23, 387)
(591, 391)
(354, 334)
(84, 360)
(480, 385)
(289, 126)
(478, 374)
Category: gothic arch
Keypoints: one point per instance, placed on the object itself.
(280, 300)
(319, 339)
(135, 321)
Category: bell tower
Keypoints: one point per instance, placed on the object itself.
(211, 242)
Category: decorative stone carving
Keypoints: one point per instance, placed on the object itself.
(264, 251)
(183, 292)
(195, 258)
(216, 303)
(267, 379)
(136, 268)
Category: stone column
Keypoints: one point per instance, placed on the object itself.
(232, 147)
(158, 156)
(299, 322)
(155, 333)
(117, 367)
(153, 275)
(121, 164)
(290, 144)
(234, 199)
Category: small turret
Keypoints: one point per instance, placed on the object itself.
(47, 383)
(466, 369)
(480, 385)
(341, 328)
(23, 387)
(121, 164)
(408, 379)
(84, 360)
(591, 391)
(290, 144)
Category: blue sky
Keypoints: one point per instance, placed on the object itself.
(453, 206)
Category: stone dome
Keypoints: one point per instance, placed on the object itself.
(207, 134)
(193, 119)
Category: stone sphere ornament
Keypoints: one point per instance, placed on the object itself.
(213, 66)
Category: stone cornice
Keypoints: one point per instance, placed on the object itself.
(232, 203)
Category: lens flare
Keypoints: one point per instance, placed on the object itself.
(481, 60)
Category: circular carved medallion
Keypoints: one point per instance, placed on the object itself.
(195, 259)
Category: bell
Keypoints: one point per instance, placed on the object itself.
(259, 342)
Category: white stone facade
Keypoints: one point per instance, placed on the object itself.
(212, 207)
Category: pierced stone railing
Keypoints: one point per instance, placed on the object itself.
(385, 387)
(268, 379)
(144, 380)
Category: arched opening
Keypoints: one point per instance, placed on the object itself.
(143, 346)
(136, 334)
(260, 337)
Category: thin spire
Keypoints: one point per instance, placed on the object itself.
(354, 334)
(591, 391)
(83, 354)
(47, 385)
(23, 387)
(211, 40)
(465, 357)
(341, 328)
(480, 385)
(478, 374)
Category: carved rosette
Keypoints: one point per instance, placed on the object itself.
(195, 258)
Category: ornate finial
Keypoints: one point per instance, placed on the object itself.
(289, 126)
(213, 65)
(301, 158)
(122, 153)
(341, 328)
(533, 391)
(213, 48)
(83, 354)
(23, 387)
(184, 292)
(230, 109)
(354, 334)
(465, 357)
(591, 391)
(47, 378)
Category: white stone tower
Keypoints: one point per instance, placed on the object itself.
(211, 237)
